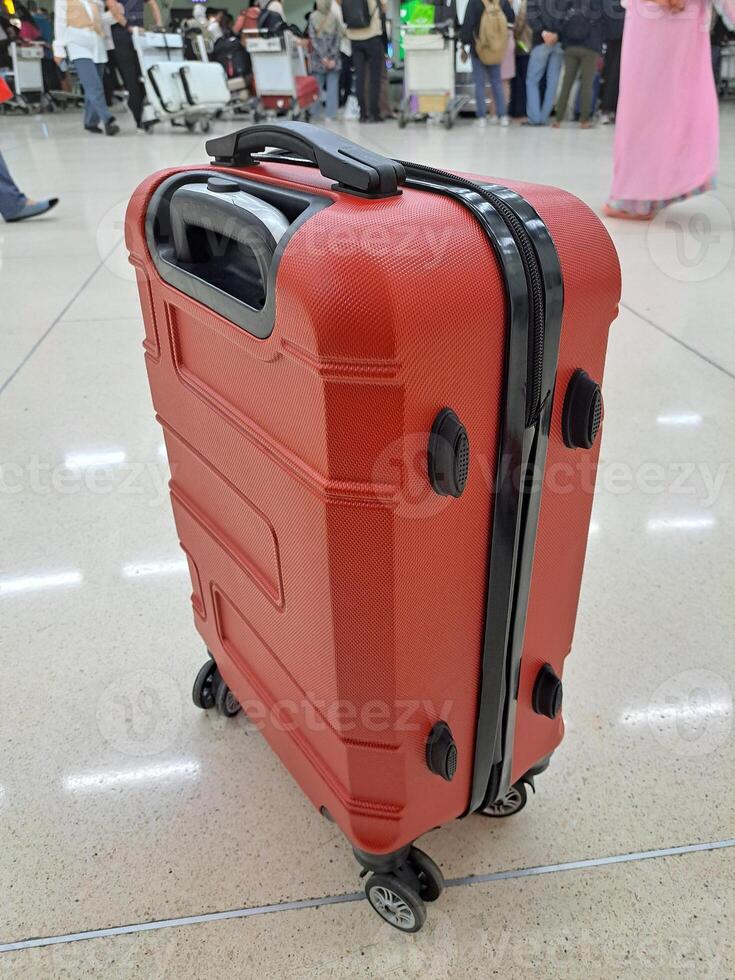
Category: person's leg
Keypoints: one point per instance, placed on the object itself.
(359, 60)
(479, 76)
(588, 67)
(536, 68)
(375, 69)
(496, 83)
(12, 199)
(345, 79)
(14, 205)
(95, 108)
(87, 74)
(611, 84)
(332, 83)
(571, 64)
(554, 63)
(317, 109)
(127, 63)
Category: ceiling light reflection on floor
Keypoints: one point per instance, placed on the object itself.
(680, 523)
(680, 418)
(110, 779)
(83, 461)
(38, 583)
(167, 566)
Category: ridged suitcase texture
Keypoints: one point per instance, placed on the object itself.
(343, 600)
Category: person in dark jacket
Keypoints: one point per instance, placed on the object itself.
(481, 72)
(545, 62)
(612, 31)
(581, 38)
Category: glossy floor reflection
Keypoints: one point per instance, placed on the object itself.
(121, 803)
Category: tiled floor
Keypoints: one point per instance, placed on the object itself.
(121, 804)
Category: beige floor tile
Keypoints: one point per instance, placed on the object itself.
(121, 802)
(665, 918)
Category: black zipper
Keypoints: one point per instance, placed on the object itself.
(534, 278)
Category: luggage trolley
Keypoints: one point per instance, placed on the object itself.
(27, 77)
(281, 79)
(185, 92)
(429, 75)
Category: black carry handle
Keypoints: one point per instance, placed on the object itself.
(355, 169)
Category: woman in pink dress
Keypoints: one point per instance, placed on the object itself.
(667, 126)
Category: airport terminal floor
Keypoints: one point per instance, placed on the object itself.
(142, 837)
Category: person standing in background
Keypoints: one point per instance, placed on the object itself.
(612, 29)
(667, 129)
(544, 62)
(325, 34)
(482, 71)
(581, 38)
(364, 27)
(128, 16)
(79, 36)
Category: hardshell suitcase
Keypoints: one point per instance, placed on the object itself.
(163, 87)
(205, 84)
(382, 476)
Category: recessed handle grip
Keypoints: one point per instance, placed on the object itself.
(353, 168)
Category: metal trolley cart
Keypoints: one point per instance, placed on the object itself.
(186, 93)
(26, 78)
(429, 75)
(281, 80)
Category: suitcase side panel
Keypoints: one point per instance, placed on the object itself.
(370, 618)
(591, 293)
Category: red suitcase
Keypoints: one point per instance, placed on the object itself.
(379, 389)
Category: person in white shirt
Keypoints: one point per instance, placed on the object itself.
(79, 36)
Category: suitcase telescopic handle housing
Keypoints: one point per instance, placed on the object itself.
(355, 169)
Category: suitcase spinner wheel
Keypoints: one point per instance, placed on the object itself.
(210, 691)
(398, 896)
(513, 802)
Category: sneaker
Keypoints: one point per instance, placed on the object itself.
(93, 129)
(481, 122)
(111, 128)
(504, 121)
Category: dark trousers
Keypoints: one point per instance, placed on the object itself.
(611, 76)
(129, 68)
(582, 61)
(517, 107)
(345, 79)
(367, 57)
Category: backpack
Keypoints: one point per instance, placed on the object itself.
(491, 41)
(270, 21)
(356, 13)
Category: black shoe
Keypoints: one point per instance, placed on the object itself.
(93, 129)
(111, 128)
(375, 119)
(363, 118)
